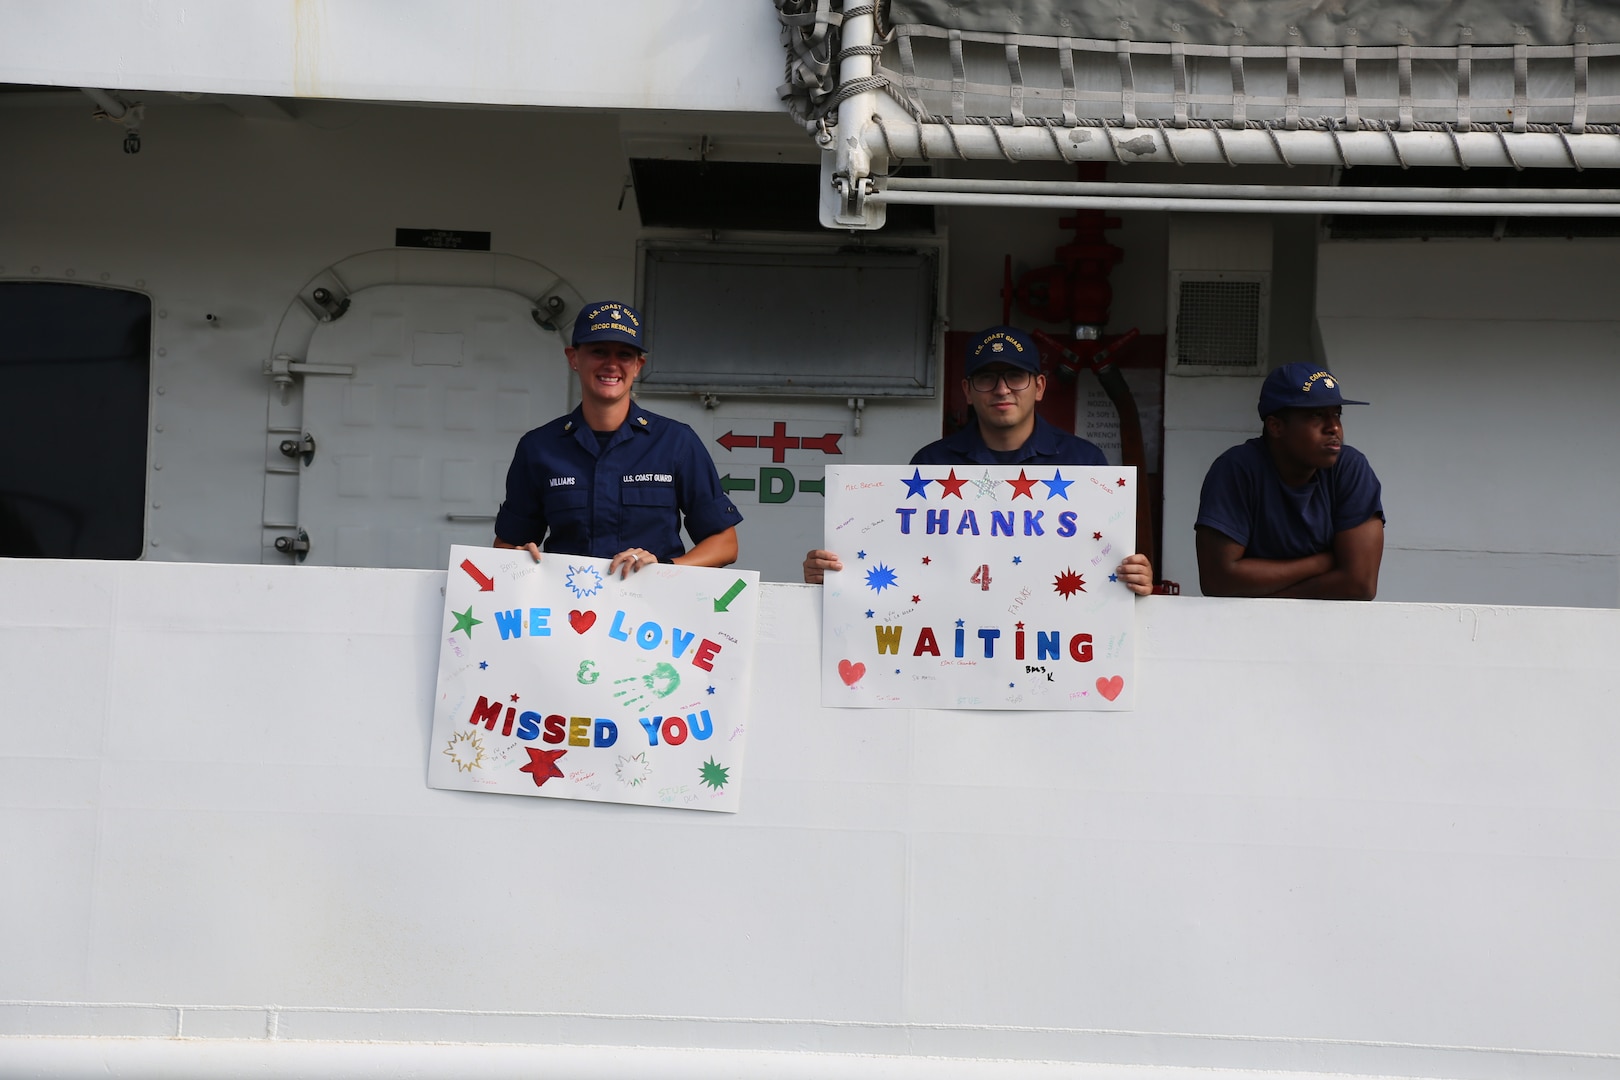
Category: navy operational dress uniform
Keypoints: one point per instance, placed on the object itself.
(611, 479)
(592, 496)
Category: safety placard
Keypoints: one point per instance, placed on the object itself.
(979, 587)
(559, 680)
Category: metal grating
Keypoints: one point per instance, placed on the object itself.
(1218, 324)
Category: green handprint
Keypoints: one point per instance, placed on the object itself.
(662, 681)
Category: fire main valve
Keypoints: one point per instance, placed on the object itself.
(1075, 290)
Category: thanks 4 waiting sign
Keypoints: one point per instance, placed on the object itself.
(979, 587)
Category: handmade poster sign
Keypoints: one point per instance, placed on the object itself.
(979, 588)
(559, 681)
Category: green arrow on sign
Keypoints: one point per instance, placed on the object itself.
(724, 601)
(818, 486)
(728, 485)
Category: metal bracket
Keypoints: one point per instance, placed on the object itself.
(548, 313)
(852, 198)
(296, 448)
(296, 546)
(332, 308)
(857, 405)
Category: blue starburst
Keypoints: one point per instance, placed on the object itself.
(1057, 486)
(880, 577)
(916, 485)
(583, 581)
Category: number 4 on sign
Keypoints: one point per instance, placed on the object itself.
(981, 577)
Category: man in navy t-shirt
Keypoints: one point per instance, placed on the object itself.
(1294, 512)
(1002, 383)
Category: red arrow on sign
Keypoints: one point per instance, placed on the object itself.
(827, 444)
(485, 584)
(731, 442)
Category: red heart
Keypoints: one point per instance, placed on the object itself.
(581, 621)
(1111, 687)
(850, 673)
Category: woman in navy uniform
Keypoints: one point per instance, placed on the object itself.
(611, 479)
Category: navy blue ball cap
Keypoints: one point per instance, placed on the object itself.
(1003, 345)
(609, 320)
(1301, 386)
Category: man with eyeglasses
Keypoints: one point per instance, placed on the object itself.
(1003, 382)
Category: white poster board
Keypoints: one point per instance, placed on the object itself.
(559, 681)
(979, 587)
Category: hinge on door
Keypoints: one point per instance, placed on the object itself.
(283, 368)
(296, 546)
(299, 448)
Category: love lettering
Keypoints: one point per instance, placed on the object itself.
(648, 636)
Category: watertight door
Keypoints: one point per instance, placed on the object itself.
(411, 451)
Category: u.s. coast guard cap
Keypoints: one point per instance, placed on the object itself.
(1301, 386)
(1003, 345)
(609, 320)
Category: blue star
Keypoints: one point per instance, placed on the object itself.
(711, 689)
(1057, 485)
(897, 671)
(860, 554)
(1017, 559)
(483, 664)
(1011, 685)
(958, 622)
(1113, 577)
(868, 613)
(916, 485)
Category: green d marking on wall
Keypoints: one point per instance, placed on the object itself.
(776, 485)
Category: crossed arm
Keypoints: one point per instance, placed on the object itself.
(1348, 572)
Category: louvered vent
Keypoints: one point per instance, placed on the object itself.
(1219, 322)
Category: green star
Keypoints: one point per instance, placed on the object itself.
(714, 775)
(465, 621)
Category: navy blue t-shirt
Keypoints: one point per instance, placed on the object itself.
(1046, 445)
(1245, 498)
(584, 495)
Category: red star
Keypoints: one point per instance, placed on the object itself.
(1023, 486)
(542, 764)
(926, 560)
(916, 599)
(1120, 482)
(1096, 536)
(514, 697)
(952, 485)
(1019, 626)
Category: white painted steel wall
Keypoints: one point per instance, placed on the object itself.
(1372, 839)
(220, 214)
(1490, 366)
(628, 54)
